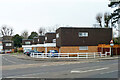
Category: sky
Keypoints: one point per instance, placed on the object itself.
(30, 15)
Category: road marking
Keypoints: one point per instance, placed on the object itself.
(109, 72)
(8, 60)
(90, 70)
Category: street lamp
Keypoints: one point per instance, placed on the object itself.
(111, 44)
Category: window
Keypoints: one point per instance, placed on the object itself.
(8, 44)
(45, 38)
(54, 40)
(83, 48)
(28, 42)
(83, 34)
(57, 35)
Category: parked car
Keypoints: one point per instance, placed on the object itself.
(31, 51)
(8, 51)
(26, 50)
(2, 52)
(52, 53)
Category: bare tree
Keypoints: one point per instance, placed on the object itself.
(107, 18)
(42, 31)
(53, 28)
(99, 19)
(5, 31)
(24, 34)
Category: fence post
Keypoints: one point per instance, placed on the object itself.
(77, 55)
(68, 55)
(106, 54)
(50, 55)
(58, 55)
(101, 54)
(37, 55)
(33, 55)
(94, 54)
(86, 55)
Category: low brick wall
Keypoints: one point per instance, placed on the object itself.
(75, 49)
(41, 49)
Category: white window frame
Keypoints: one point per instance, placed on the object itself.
(57, 35)
(45, 38)
(83, 48)
(54, 40)
(8, 44)
(83, 34)
(38, 40)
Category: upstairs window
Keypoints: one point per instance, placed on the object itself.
(57, 35)
(8, 44)
(28, 42)
(38, 40)
(83, 34)
(45, 38)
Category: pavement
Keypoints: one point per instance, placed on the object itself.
(22, 66)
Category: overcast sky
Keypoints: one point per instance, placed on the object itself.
(31, 14)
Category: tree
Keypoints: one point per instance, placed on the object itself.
(106, 21)
(116, 13)
(32, 35)
(5, 31)
(99, 19)
(17, 40)
(24, 34)
(107, 18)
(41, 31)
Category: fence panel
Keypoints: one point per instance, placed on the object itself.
(67, 55)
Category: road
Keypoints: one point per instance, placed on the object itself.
(14, 67)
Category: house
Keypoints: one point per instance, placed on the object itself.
(75, 40)
(38, 43)
(49, 43)
(7, 43)
(27, 44)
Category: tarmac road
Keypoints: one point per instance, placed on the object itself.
(43, 69)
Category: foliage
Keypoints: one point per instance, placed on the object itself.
(17, 40)
(116, 13)
(33, 34)
(116, 40)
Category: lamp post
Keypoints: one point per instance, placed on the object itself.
(111, 44)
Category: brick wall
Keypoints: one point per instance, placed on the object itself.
(40, 49)
(52, 48)
(75, 49)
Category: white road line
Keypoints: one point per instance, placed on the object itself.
(8, 60)
(90, 70)
(109, 72)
